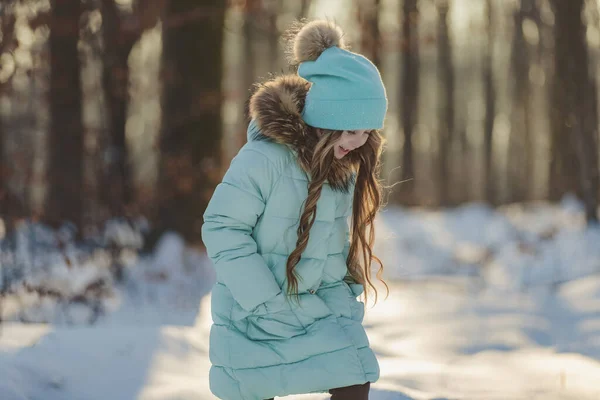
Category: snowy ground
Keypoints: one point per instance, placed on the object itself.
(484, 305)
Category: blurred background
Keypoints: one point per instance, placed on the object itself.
(119, 117)
(135, 107)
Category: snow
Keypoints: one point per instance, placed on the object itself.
(451, 340)
(484, 304)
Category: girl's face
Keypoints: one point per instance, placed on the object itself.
(349, 141)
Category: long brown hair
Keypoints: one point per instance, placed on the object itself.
(368, 191)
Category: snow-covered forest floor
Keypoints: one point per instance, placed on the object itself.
(483, 305)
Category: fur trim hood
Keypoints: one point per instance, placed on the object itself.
(276, 107)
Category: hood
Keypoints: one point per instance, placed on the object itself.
(276, 109)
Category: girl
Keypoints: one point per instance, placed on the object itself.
(289, 267)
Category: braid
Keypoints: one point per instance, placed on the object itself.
(321, 164)
(306, 222)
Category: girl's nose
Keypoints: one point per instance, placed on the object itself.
(356, 141)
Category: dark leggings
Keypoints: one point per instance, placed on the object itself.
(355, 392)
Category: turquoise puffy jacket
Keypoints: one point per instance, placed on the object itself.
(262, 343)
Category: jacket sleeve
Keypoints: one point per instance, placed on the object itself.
(237, 203)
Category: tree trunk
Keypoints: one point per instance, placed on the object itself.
(7, 21)
(10, 205)
(3, 171)
(2, 162)
(274, 11)
(304, 7)
(191, 131)
(251, 10)
(249, 70)
(575, 131)
(563, 164)
(446, 108)
(368, 17)
(587, 147)
(120, 33)
(490, 109)
(409, 90)
(519, 166)
(117, 187)
(5, 211)
(65, 158)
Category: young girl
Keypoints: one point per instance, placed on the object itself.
(289, 267)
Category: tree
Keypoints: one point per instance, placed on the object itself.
(304, 7)
(574, 115)
(65, 159)
(490, 108)
(3, 173)
(520, 166)
(446, 107)
(273, 11)
(7, 21)
(120, 33)
(368, 18)
(251, 10)
(191, 127)
(410, 91)
(9, 204)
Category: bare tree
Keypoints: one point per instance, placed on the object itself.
(7, 24)
(520, 167)
(304, 7)
(273, 11)
(65, 162)
(9, 204)
(249, 71)
(191, 129)
(490, 107)
(563, 163)
(3, 172)
(368, 18)
(121, 32)
(574, 113)
(410, 92)
(446, 107)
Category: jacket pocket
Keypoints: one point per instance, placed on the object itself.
(274, 305)
(276, 326)
(357, 308)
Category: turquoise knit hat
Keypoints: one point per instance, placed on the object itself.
(347, 92)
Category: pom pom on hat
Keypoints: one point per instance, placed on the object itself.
(314, 38)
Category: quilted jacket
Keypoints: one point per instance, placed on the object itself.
(263, 343)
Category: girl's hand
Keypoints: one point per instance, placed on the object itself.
(276, 304)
